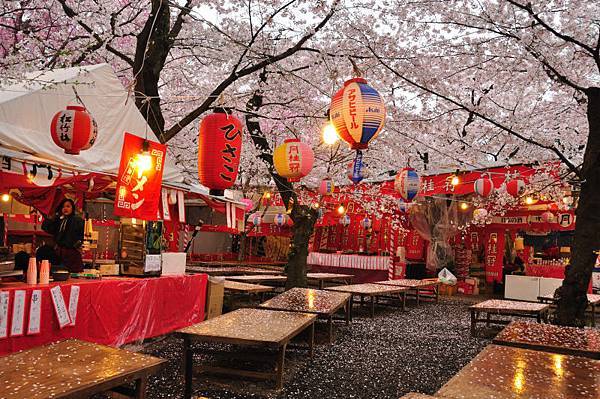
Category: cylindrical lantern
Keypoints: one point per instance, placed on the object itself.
(407, 183)
(255, 219)
(345, 220)
(280, 219)
(515, 187)
(548, 217)
(293, 159)
(74, 129)
(248, 204)
(366, 223)
(358, 113)
(483, 186)
(326, 187)
(519, 244)
(219, 150)
(363, 174)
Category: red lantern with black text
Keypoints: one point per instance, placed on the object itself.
(219, 150)
(74, 129)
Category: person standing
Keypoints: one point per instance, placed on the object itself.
(67, 229)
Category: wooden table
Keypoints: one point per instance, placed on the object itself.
(415, 395)
(246, 288)
(418, 286)
(503, 372)
(593, 301)
(233, 270)
(538, 311)
(322, 303)
(74, 369)
(372, 291)
(265, 278)
(550, 338)
(248, 327)
(321, 278)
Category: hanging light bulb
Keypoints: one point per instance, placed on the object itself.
(529, 201)
(464, 206)
(455, 181)
(341, 209)
(143, 160)
(5, 197)
(330, 135)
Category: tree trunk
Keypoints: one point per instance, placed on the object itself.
(572, 300)
(304, 218)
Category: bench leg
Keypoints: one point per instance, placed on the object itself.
(404, 301)
(189, 367)
(418, 297)
(473, 323)
(487, 320)
(140, 388)
(372, 306)
(351, 306)
(280, 365)
(437, 293)
(330, 328)
(321, 284)
(348, 310)
(311, 341)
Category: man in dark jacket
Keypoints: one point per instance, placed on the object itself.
(67, 229)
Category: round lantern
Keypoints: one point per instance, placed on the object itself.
(255, 219)
(74, 129)
(326, 187)
(293, 159)
(248, 203)
(548, 217)
(345, 220)
(280, 219)
(480, 213)
(358, 113)
(515, 187)
(407, 183)
(219, 150)
(362, 174)
(366, 223)
(483, 186)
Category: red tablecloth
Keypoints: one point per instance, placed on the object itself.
(114, 311)
(549, 271)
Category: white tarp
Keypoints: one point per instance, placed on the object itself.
(27, 108)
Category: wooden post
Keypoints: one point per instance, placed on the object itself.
(140, 387)
(279, 367)
(188, 367)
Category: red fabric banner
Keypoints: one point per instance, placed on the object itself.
(140, 177)
(494, 255)
(114, 311)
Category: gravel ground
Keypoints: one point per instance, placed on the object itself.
(385, 357)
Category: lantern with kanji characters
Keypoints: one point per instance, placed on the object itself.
(515, 187)
(293, 159)
(407, 183)
(248, 204)
(280, 219)
(484, 186)
(345, 220)
(548, 217)
(219, 150)
(74, 129)
(366, 223)
(357, 176)
(255, 219)
(326, 187)
(357, 113)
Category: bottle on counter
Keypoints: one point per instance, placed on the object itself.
(32, 271)
(45, 272)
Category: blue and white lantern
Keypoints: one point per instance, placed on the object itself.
(366, 223)
(280, 219)
(255, 219)
(408, 184)
(345, 220)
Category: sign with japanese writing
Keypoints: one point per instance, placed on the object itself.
(4, 296)
(18, 316)
(166, 213)
(73, 302)
(62, 314)
(35, 313)
(494, 256)
(140, 178)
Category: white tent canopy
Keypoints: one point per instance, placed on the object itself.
(26, 109)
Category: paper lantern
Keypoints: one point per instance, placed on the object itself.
(363, 173)
(293, 159)
(248, 204)
(326, 187)
(74, 129)
(407, 183)
(548, 217)
(480, 213)
(483, 186)
(519, 244)
(255, 219)
(345, 220)
(366, 223)
(515, 187)
(219, 150)
(280, 219)
(357, 113)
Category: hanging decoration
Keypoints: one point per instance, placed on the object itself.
(548, 217)
(219, 150)
(280, 219)
(345, 220)
(515, 187)
(74, 129)
(255, 219)
(248, 204)
(357, 174)
(293, 159)
(484, 186)
(407, 183)
(366, 223)
(326, 187)
(172, 197)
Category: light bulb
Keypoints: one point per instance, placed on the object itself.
(455, 180)
(5, 197)
(341, 209)
(143, 163)
(529, 200)
(464, 206)
(330, 135)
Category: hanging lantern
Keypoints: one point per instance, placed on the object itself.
(363, 172)
(255, 219)
(280, 219)
(74, 129)
(515, 187)
(548, 217)
(248, 204)
(357, 113)
(407, 183)
(403, 206)
(326, 187)
(345, 220)
(172, 197)
(293, 159)
(519, 243)
(483, 186)
(366, 223)
(219, 150)
(480, 213)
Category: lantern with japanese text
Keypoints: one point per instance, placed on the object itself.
(366, 223)
(219, 150)
(357, 177)
(515, 187)
(255, 219)
(248, 204)
(407, 183)
(484, 186)
(293, 159)
(280, 219)
(345, 220)
(326, 187)
(548, 217)
(74, 129)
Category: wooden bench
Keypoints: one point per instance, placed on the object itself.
(261, 278)
(373, 291)
(248, 327)
(538, 311)
(322, 303)
(550, 338)
(593, 301)
(321, 278)
(232, 270)
(246, 288)
(429, 287)
(75, 369)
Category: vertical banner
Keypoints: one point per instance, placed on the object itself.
(35, 313)
(4, 296)
(18, 316)
(166, 213)
(181, 206)
(62, 314)
(73, 302)
(494, 256)
(140, 178)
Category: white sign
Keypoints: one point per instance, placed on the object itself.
(59, 307)
(153, 263)
(165, 205)
(73, 302)
(181, 206)
(18, 316)
(4, 295)
(35, 313)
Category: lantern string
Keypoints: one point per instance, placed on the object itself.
(355, 69)
(77, 97)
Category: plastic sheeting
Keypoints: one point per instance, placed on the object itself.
(114, 311)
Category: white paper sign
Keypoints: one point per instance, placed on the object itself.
(59, 307)
(18, 316)
(181, 206)
(35, 313)
(73, 302)
(165, 205)
(4, 295)
(153, 263)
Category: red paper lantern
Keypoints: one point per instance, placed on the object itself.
(515, 187)
(326, 187)
(74, 129)
(219, 150)
(293, 159)
(483, 186)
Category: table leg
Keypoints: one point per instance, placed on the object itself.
(321, 284)
(348, 310)
(473, 323)
(403, 301)
(437, 293)
(362, 301)
(189, 366)
(351, 306)
(140, 388)
(418, 298)
(593, 315)
(280, 365)
(487, 320)
(311, 341)
(538, 317)
(372, 306)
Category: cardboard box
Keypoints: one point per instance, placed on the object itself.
(214, 297)
(173, 263)
(109, 269)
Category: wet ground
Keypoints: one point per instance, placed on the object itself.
(385, 357)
